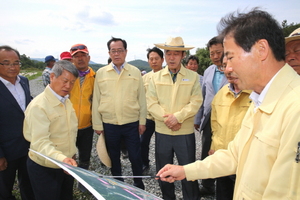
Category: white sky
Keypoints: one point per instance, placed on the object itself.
(39, 28)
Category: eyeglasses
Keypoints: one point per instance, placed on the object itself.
(15, 64)
(117, 51)
(80, 47)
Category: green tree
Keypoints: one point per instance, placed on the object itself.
(204, 60)
(289, 28)
(28, 63)
(187, 55)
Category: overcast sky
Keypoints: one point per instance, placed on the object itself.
(39, 28)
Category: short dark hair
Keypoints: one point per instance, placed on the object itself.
(213, 41)
(113, 39)
(62, 65)
(156, 50)
(248, 28)
(8, 48)
(192, 57)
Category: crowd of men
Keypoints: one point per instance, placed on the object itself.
(245, 106)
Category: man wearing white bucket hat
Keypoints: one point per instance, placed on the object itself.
(173, 98)
(292, 50)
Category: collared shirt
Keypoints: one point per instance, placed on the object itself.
(262, 154)
(118, 99)
(231, 88)
(60, 98)
(173, 75)
(217, 79)
(182, 99)
(228, 109)
(55, 133)
(258, 98)
(81, 97)
(17, 91)
(117, 69)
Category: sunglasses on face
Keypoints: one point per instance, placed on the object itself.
(80, 47)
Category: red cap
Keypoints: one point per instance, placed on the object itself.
(65, 55)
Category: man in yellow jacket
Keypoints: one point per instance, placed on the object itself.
(265, 153)
(155, 59)
(81, 98)
(119, 108)
(50, 126)
(228, 109)
(173, 99)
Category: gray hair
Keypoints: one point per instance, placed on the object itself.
(62, 65)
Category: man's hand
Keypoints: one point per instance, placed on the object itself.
(3, 164)
(176, 127)
(99, 132)
(70, 161)
(171, 173)
(142, 129)
(170, 120)
(197, 126)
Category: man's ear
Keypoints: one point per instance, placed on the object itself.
(52, 76)
(263, 48)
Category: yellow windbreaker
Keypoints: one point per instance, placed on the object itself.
(227, 114)
(81, 98)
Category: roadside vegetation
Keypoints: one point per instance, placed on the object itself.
(31, 73)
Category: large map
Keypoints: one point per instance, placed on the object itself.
(102, 187)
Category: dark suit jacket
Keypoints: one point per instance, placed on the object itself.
(12, 142)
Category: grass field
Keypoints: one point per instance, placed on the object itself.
(31, 73)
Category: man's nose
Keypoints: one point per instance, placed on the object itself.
(290, 57)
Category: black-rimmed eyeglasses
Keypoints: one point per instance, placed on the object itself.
(15, 64)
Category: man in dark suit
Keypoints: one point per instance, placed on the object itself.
(14, 97)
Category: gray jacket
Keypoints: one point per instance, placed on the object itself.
(208, 93)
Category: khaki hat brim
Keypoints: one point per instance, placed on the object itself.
(102, 151)
(163, 46)
(292, 38)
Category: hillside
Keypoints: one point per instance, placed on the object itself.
(43, 59)
(141, 64)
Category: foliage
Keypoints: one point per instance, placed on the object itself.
(31, 73)
(289, 28)
(139, 63)
(28, 63)
(203, 53)
(204, 60)
(95, 67)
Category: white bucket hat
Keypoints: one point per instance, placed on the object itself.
(175, 44)
(295, 35)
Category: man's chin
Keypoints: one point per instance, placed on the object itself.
(296, 68)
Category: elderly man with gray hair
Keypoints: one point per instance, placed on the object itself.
(50, 126)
